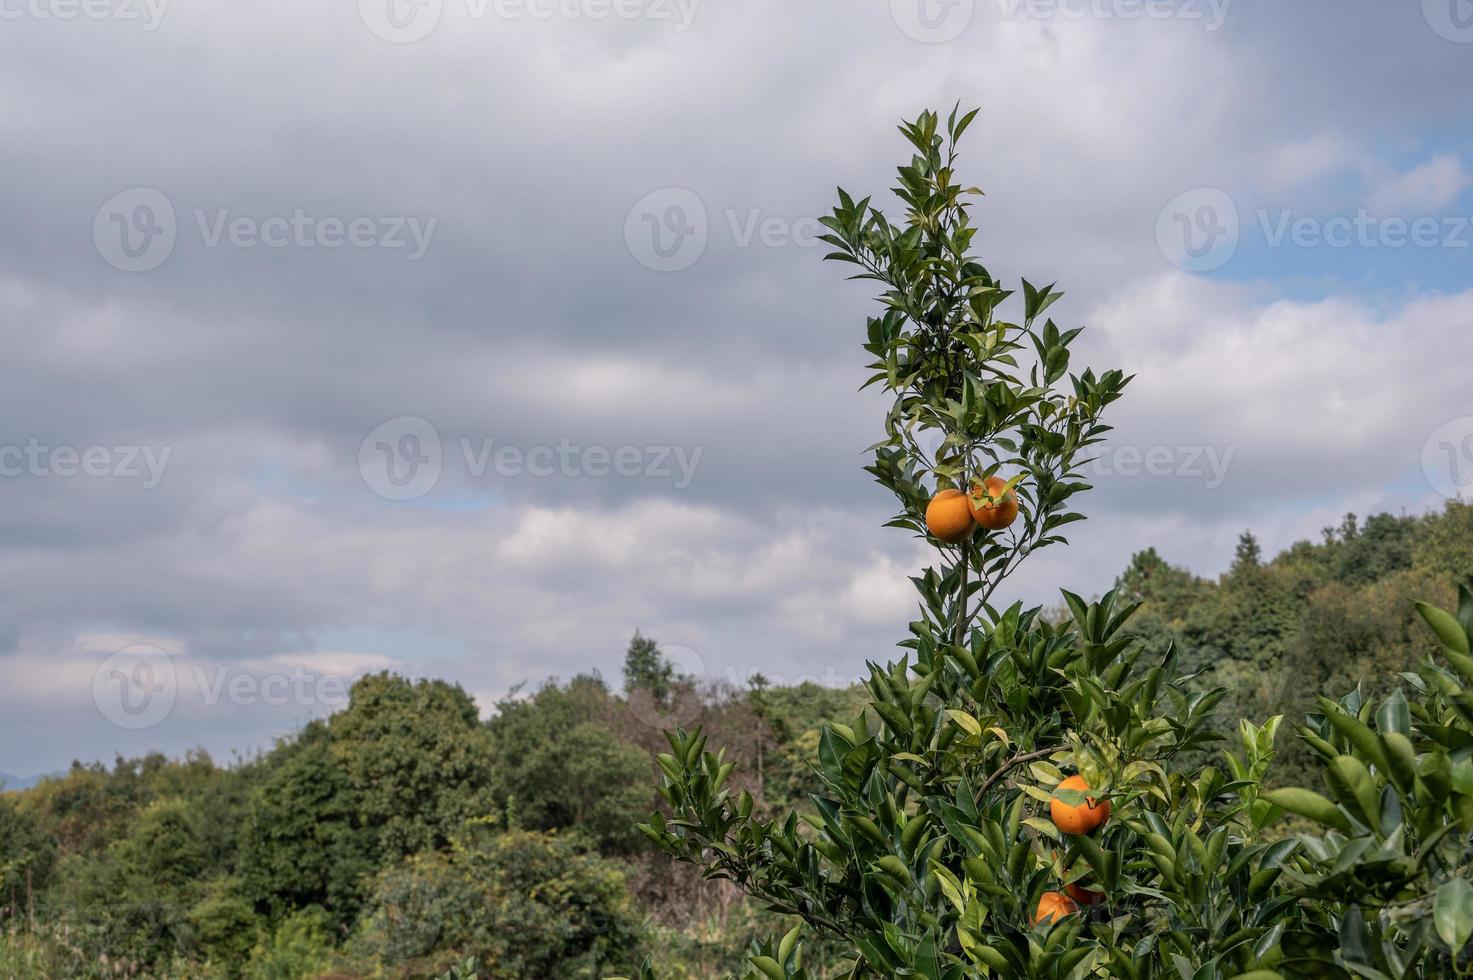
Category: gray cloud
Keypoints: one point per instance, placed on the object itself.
(529, 320)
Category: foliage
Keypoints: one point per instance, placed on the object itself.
(524, 904)
(931, 845)
(27, 857)
(223, 925)
(1396, 845)
(1318, 617)
(304, 841)
(300, 946)
(560, 764)
(418, 756)
(181, 868)
(647, 668)
(928, 853)
(927, 857)
(795, 717)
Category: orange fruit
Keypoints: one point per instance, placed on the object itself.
(1083, 896)
(1053, 906)
(993, 508)
(1088, 816)
(949, 516)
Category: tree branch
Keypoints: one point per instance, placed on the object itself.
(1015, 760)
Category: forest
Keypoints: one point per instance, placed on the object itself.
(405, 836)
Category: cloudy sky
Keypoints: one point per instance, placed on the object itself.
(463, 337)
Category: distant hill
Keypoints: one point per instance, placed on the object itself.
(9, 782)
(1320, 617)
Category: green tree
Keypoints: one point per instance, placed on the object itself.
(417, 757)
(646, 668)
(1444, 548)
(132, 903)
(27, 858)
(560, 765)
(1248, 555)
(931, 847)
(299, 946)
(223, 927)
(1381, 547)
(305, 839)
(1162, 588)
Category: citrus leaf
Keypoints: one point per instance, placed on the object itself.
(1452, 913)
(1307, 803)
(1448, 629)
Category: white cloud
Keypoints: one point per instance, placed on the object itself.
(1317, 400)
(347, 664)
(1296, 163)
(880, 594)
(1427, 188)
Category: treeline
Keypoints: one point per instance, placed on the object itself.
(398, 837)
(403, 835)
(1319, 618)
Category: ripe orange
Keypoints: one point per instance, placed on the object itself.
(991, 507)
(1053, 906)
(949, 516)
(1082, 819)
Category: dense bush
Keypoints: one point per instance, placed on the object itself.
(305, 840)
(523, 904)
(558, 765)
(1393, 862)
(27, 858)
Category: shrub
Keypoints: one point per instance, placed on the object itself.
(559, 764)
(524, 904)
(27, 859)
(300, 946)
(304, 841)
(1392, 864)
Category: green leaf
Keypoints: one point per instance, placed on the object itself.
(965, 722)
(1352, 728)
(1394, 715)
(1352, 783)
(1447, 628)
(1044, 827)
(1307, 803)
(1401, 760)
(1452, 913)
(769, 967)
(785, 948)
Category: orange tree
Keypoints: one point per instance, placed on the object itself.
(946, 842)
(1395, 854)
